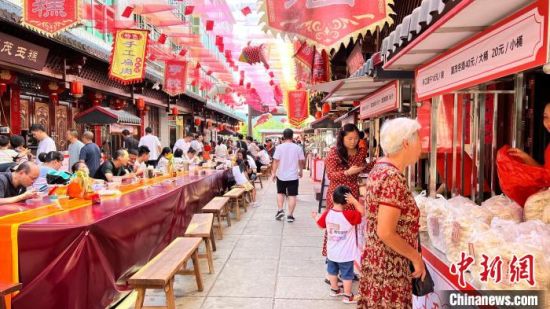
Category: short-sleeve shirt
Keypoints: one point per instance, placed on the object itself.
(6, 187)
(108, 167)
(8, 155)
(44, 146)
(91, 155)
(153, 143)
(74, 152)
(341, 235)
(131, 143)
(197, 146)
(183, 145)
(289, 156)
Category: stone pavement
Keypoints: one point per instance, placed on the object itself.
(261, 263)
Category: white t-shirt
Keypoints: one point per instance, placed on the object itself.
(251, 162)
(254, 149)
(46, 145)
(8, 155)
(289, 156)
(153, 143)
(198, 146)
(264, 157)
(221, 151)
(342, 244)
(239, 176)
(183, 145)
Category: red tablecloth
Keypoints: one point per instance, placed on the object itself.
(82, 259)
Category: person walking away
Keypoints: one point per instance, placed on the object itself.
(343, 164)
(152, 142)
(115, 167)
(13, 185)
(75, 145)
(7, 155)
(129, 141)
(90, 154)
(391, 236)
(45, 143)
(288, 163)
(342, 249)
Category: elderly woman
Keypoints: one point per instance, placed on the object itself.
(392, 222)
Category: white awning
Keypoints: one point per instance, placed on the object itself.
(350, 89)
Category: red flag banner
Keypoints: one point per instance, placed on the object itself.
(298, 106)
(304, 54)
(128, 56)
(325, 23)
(50, 17)
(175, 77)
(321, 68)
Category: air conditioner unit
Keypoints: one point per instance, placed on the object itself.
(4, 130)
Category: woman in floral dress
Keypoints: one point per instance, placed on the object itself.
(343, 164)
(391, 243)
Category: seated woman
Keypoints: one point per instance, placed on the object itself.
(164, 159)
(49, 171)
(240, 174)
(191, 157)
(178, 159)
(263, 158)
(80, 167)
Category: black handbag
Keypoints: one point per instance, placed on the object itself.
(422, 287)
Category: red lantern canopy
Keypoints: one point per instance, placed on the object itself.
(326, 108)
(175, 111)
(140, 104)
(77, 89)
(318, 115)
(197, 122)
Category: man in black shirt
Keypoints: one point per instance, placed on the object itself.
(115, 167)
(241, 144)
(13, 184)
(90, 152)
(129, 141)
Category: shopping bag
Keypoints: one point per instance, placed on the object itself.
(519, 180)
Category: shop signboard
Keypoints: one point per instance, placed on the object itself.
(515, 44)
(384, 100)
(175, 77)
(128, 56)
(355, 60)
(50, 17)
(22, 53)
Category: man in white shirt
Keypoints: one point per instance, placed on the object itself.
(252, 147)
(197, 144)
(45, 143)
(183, 143)
(152, 142)
(221, 150)
(288, 163)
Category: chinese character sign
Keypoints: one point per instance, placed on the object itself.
(325, 23)
(298, 107)
(50, 17)
(175, 77)
(22, 53)
(128, 55)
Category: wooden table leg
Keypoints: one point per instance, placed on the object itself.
(170, 298)
(237, 209)
(228, 213)
(140, 298)
(212, 239)
(220, 229)
(196, 268)
(209, 256)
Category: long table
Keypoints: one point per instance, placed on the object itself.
(82, 258)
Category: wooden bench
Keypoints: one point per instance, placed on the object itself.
(218, 207)
(258, 180)
(266, 171)
(5, 290)
(236, 195)
(201, 226)
(160, 271)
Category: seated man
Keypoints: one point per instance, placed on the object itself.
(115, 167)
(140, 163)
(13, 184)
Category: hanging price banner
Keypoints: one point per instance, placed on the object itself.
(128, 55)
(298, 107)
(50, 17)
(175, 77)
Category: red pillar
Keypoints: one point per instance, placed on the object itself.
(97, 135)
(15, 110)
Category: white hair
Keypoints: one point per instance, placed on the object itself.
(395, 131)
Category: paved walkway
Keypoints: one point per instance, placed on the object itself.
(261, 263)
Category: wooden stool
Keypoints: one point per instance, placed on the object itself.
(160, 271)
(265, 171)
(236, 195)
(5, 290)
(218, 207)
(258, 180)
(201, 226)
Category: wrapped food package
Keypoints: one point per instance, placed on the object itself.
(437, 211)
(461, 223)
(537, 207)
(421, 200)
(504, 208)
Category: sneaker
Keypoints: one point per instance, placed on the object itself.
(255, 204)
(280, 215)
(290, 219)
(351, 299)
(335, 293)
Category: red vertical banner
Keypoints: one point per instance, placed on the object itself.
(50, 17)
(298, 107)
(15, 110)
(321, 68)
(175, 77)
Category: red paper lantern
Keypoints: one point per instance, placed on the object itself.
(77, 89)
(140, 104)
(197, 122)
(318, 115)
(119, 104)
(175, 111)
(326, 108)
(356, 103)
